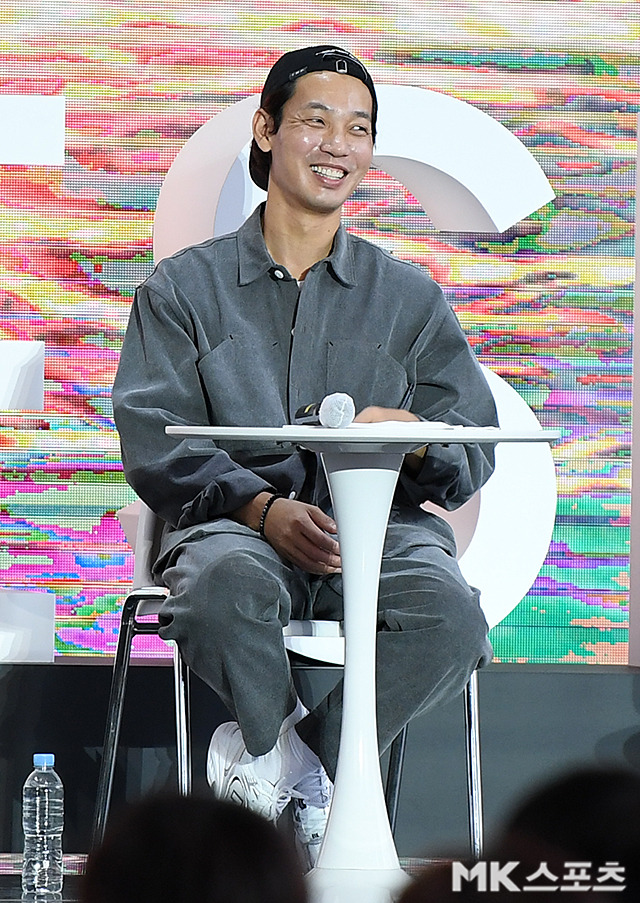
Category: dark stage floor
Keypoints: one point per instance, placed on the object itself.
(11, 890)
(10, 878)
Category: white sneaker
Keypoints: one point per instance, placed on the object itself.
(315, 788)
(233, 779)
(310, 811)
(309, 824)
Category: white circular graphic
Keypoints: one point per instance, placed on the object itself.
(470, 174)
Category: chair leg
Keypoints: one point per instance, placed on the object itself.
(474, 769)
(183, 720)
(394, 777)
(114, 717)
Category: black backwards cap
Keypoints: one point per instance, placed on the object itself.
(324, 58)
(295, 64)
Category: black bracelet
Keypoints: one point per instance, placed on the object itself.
(265, 511)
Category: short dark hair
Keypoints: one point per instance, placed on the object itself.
(259, 160)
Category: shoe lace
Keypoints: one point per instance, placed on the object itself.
(263, 797)
(315, 787)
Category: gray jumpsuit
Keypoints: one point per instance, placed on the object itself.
(220, 334)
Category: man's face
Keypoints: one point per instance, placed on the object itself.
(324, 146)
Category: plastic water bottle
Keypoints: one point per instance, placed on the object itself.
(42, 824)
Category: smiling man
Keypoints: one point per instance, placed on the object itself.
(243, 330)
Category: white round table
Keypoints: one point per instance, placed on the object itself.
(358, 862)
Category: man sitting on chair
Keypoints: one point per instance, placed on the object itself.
(243, 330)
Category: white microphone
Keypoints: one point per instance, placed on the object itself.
(334, 411)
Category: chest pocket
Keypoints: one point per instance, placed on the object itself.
(243, 382)
(365, 371)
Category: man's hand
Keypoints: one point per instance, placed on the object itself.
(375, 414)
(301, 534)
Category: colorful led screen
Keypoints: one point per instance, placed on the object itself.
(546, 304)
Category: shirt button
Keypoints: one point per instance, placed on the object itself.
(278, 274)
(292, 494)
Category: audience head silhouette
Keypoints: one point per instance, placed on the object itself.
(575, 823)
(175, 849)
(590, 814)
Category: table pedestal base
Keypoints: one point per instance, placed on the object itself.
(356, 885)
(358, 862)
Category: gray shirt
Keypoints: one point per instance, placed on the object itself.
(220, 334)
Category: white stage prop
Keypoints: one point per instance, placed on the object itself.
(27, 627)
(21, 375)
(32, 132)
(515, 511)
(468, 171)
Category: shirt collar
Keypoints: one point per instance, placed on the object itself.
(254, 259)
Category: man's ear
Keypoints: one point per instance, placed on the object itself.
(262, 129)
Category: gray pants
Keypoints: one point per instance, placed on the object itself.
(231, 594)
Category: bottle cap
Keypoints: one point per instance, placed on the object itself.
(44, 760)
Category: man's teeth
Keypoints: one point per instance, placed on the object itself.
(329, 172)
